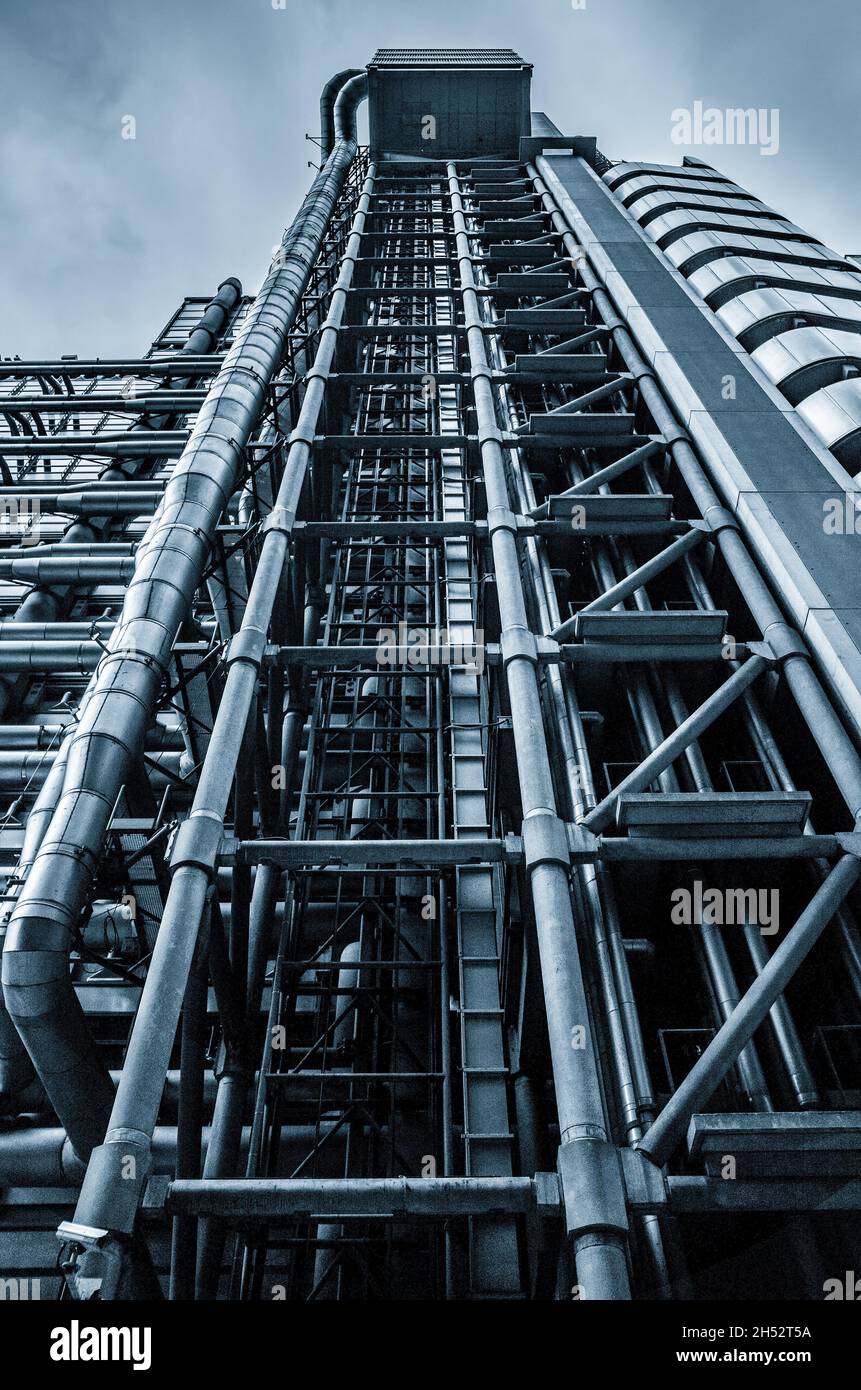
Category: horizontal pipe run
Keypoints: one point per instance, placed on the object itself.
(33, 490)
(296, 854)
(377, 1199)
(145, 402)
(79, 445)
(127, 502)
(63, 548)
(54, 569)
(49, 656)
(44, 1157)
(22, 771)
(193, 364)
(12, 631)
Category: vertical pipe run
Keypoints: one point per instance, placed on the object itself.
(599, 1254)
(105, 1196)
(106, 743)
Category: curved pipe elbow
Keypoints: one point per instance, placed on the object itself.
(328, 97)
(347, 106)
(42, 1005)
(16, 1070)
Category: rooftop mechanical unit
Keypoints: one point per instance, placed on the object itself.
(444, 103)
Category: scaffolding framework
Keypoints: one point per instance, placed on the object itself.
(386, 672)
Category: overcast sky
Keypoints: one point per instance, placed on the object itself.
(100, 236)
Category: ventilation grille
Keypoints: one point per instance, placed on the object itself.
(447, 58)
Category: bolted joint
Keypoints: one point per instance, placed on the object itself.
(93, 1261)
(518, 642)
(593, 1192)
(197, 842)
(248, 645)
(545, 840)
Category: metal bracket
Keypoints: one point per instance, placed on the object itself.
(783, 641)
(196, 841)
(518, 642)
(594, 1194)
(583, 846)
(279, 519)
(545, 841)
(248, 645)
(644, 1183)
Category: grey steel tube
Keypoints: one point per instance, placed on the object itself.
(660, 1140)
(233, 1088)
(328, 97)
(108, 1199)
(625, 1042)
(785, 1032)
(107, 741)
(347, 103)
(575, 1070)
(16, 1068)
(378, 1198)
(45, 1157)
(22, 770)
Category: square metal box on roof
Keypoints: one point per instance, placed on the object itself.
(448, 103)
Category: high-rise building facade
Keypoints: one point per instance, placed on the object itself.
(431, 699)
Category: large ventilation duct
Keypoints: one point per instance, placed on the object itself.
(328, 97)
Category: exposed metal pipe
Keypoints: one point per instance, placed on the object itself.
(347, 104)
(381, 1198)
(106, 743)
(328, 97)
(599, 1253)
(233, 1088)
(45, 1157)
(108, 1200)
